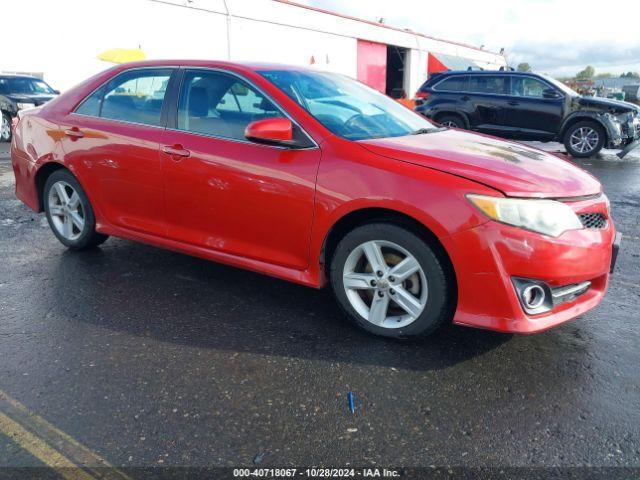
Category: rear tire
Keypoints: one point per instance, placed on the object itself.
(413, 294)
(69, 212)
(452, 121)
(5, 128)
(584, 139)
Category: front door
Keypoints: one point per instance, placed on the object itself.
(112, 140)
(226, 193)
(534, 116)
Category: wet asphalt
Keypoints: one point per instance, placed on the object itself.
(149, 357)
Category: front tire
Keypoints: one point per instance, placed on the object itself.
(5, 128)
(584, 139)
(390, 282)
(451, 121)
(69, 212)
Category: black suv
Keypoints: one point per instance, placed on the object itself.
(18, 92)
(528, 106)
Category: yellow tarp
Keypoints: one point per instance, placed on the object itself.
(122, 55)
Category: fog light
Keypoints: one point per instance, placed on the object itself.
(533, 296)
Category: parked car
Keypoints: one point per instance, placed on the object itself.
(18, 92)
(527, 106)
(315, 178)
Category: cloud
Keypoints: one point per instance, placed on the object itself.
(554, 36)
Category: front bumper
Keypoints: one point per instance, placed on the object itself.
(627, 136)
(489, 257)
(632, 146)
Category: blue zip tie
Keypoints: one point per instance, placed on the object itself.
(352, 405)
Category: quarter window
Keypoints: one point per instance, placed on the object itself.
(91, 105)
(452, 84)
(214, 103)
(527, 87)
(488, 84)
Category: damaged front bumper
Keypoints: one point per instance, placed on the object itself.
(623, 132)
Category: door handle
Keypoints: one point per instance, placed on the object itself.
(74, 132)
(176, 151)
(465, 98)
(514, 103)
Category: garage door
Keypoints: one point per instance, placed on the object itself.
(372, 64)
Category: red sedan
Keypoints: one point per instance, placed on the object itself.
(315, 178)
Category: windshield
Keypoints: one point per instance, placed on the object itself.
(346, 107)
(561, 86)
(24, 85)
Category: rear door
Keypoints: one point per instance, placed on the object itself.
(112, 140)
(534, 116)
(226, 193)
(488, 95)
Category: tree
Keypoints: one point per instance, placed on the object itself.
(586, 74)
(630, 75)
(524, 67)
(604, 75)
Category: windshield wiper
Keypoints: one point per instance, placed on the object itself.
(422, 131)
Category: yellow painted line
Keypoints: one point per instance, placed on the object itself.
(51, 445)
(43, 452)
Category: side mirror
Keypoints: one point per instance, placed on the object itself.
(271, 130)
(57, 92)
(551, 93)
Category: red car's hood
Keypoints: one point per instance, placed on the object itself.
(514, 169)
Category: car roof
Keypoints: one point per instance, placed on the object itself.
(253, 66)
(11, 75)
(484, 72)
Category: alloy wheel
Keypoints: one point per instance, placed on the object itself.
(449, 123)
(385, 284)
(584, 140)
(66, 210)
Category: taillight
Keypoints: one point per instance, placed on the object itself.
(421, 97)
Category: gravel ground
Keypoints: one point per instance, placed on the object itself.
(148, 357)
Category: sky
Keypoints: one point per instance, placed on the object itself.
(558, 37)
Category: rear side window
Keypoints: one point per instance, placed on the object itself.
(488, 84)
(135, 96)
(452, 84)
(221, 105)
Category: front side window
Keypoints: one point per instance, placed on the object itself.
(221, 105)
(136, 96)
(494, 84)
(452, 84)
(346, 107)
(24, 85)
(527, 87)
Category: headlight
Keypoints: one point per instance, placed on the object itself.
(23, 106)
(543, 216)
(607, 202)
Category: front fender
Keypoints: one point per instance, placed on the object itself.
(611, 128)
(8, 106)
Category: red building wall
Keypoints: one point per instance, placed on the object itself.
(372, 64)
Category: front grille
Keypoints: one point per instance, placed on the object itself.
(593, 220)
